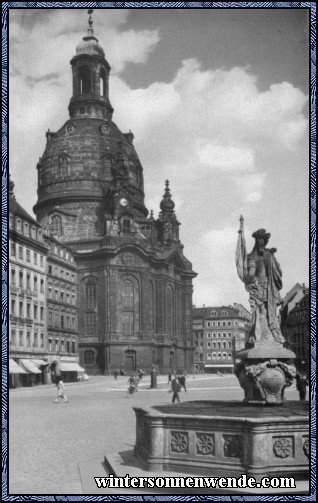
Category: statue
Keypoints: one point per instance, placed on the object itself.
(265, 369)
(262, 277)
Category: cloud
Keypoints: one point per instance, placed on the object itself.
(221, 141)
(130, 47)
(33, 37)
(227, 158)
(217, 269)
(213, 122)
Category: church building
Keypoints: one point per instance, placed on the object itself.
(135, 284)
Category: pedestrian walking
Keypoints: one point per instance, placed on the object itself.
(140, 374)
(133, 382)
(116, 375)
(176, 388)
(169, 377)
(60, 390)
(182, 380)
(301, 384)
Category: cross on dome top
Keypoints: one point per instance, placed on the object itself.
(90, 30)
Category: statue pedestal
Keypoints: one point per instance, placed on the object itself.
(224, 439)
(264, 372)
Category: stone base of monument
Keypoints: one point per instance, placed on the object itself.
(264, 372)
(224, 439)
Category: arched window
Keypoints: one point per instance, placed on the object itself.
(128, 323)
(128, 295)
(151, 306)
(169, 313)
(126, 224)
(102, 82)
(129, 315)
(90, 295)
(56, 225)
(64, 161)
(90, 317)
(84, 80)
(89, 357)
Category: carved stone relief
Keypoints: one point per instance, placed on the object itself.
(232, 446)
(283, 447)
(179, 442)
(205, 444)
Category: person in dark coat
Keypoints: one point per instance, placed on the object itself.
(169, 377)
(115, 375)
(182, 381)
(176, 388)
(301, 385)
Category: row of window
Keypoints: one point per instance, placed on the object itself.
(63, 321)
(213, 356)
(62, 252)
(26, 255)
(219, 356)
(200, 335)
(24, 280)
(24, 310)
(60, 273)
(59, 345)
(224, 323)
(61, 296)
(25, 228)
(19, 338)
(216, 345)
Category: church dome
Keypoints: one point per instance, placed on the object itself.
(89, 45)
(86, 160)
(79, 161)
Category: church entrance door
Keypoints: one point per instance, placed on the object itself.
(130, 361)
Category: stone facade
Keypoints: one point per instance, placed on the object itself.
(135, 284)
(26, 299)
(296, 330)
(218, 333)
(62, 306)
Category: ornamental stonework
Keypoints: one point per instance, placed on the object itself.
(179, 442)
(232, 446)
(306, 447)
(205, 444)
(283, 447)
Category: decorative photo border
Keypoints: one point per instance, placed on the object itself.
(6, 6)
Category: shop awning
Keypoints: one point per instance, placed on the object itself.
(29, 366)
(39, 363)
(14, 368)
(70, 367)
(219, 365)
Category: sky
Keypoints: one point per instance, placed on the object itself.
(217, 100)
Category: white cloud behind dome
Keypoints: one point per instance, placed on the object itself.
(227, 144)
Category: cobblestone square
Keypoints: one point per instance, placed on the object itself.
(47, 441)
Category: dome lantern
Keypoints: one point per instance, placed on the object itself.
(90, 78)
